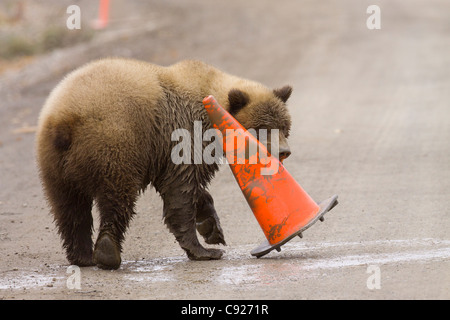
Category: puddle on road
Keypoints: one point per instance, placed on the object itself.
(27, 279)
(157, 270)
(298, 260)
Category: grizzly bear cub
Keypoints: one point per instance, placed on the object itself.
(104, 134)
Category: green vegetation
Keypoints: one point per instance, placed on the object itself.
(15, 44)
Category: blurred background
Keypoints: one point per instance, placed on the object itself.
(371, 123)
(159, 31)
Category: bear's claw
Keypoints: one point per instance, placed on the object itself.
(211, 231)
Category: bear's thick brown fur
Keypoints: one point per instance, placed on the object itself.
(104, 134)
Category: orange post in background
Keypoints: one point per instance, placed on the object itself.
(103, 15)
(280, 205)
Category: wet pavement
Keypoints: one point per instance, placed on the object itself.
(371, 123)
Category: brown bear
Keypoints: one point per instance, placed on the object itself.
(104, 134)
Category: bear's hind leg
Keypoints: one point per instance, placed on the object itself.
(207, 221)
(73, 218)
(116, 210)
(179, 216)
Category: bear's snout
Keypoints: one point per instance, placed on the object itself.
(284, 154)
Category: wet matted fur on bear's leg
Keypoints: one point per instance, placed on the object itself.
(116, 210)
(207, 221)
(179, 216)
(72, 214)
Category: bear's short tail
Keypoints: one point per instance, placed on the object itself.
(62, 136)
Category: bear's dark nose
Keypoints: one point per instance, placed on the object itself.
(284, 153)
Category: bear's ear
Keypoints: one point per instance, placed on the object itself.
(237, 99)
(283, 93)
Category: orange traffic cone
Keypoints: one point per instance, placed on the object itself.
(283, 209)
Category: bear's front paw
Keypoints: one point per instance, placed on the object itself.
(211, 231)
(201, 253)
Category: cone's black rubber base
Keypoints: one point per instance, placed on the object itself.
(266, 247)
